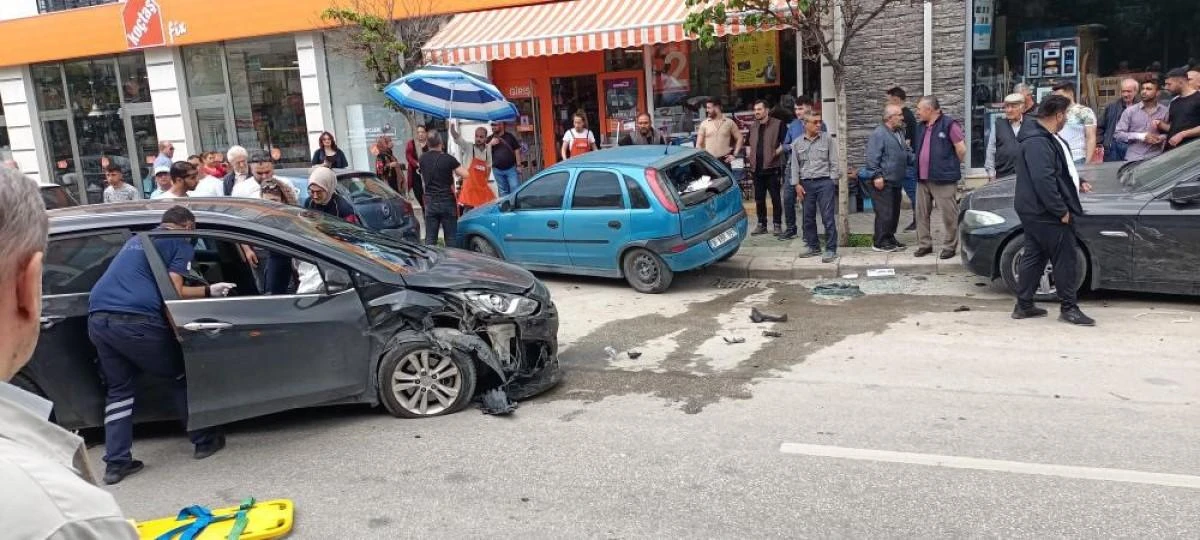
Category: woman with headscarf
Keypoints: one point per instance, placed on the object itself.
(387, 166)
(323, 197)
(329, 154)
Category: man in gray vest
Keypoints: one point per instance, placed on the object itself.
(1003, 148)
(888, 159)
(764, 161)
(47, 486)
(644, 134)
(940, 151)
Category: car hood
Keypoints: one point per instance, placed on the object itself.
(460, 270)
(999, 194)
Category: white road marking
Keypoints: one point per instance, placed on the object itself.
(959, 462)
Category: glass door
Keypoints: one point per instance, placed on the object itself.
(143, 145)
(60, 145)
(621, 100)
(526, 130)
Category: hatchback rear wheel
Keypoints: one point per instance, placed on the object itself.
(417, 380)
(646, 272)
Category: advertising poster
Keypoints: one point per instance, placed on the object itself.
(672, 72)
(982, 28)
(754, 60)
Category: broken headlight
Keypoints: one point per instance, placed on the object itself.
(501, 304)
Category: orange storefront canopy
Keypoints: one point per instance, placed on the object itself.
(566, 27)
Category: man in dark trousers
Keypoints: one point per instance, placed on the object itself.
(764, 162)
(940, 148)
(888, 159)
(644, 134)
(897, 96)
(131, 334)
(1047, 201)
(438, 170)
(1003, 147)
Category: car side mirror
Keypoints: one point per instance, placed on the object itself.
(337, 280)
(506, 205)
(1185, 193)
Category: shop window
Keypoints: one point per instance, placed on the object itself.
(1043, 43)
(248, 93)
(48, 6)
(48, 82)
(623, 59)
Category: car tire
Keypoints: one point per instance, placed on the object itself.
(414, 373)
(646, 272)
(729, 255)
(1010, 260)
(482, 246)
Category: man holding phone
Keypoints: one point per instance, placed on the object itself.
(131, 335)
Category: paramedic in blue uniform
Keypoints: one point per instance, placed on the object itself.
(131, 334)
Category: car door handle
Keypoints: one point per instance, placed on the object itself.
(207, 326)
(614, 224)
(48, 321)
(552, 224)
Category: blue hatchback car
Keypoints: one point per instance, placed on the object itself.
(638, 212)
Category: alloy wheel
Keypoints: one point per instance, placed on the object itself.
(426, 382)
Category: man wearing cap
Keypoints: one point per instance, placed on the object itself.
(1003, 148)
(162, 181)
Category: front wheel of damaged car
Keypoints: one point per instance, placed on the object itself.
(417, 380)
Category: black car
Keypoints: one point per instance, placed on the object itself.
(1140, 230)
(375, 320)
(377, 205)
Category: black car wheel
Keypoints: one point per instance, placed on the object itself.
(646, 272)
(1010, 267)
(417, 380)
(480, 245)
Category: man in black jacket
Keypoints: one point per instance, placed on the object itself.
(1047, 201)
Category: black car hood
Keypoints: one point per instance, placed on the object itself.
(460, 270)
(999, 194)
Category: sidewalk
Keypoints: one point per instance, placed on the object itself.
(765, 257)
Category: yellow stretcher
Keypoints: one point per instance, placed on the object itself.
(256, 520)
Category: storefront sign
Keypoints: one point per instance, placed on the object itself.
(143, 24)
(754, 60)
(519, 91)
(672, 72)
(983, 25)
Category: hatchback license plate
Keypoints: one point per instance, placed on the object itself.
(723, 238)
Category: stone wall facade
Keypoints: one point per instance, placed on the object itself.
(890, 52)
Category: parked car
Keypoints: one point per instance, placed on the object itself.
(416, 329)
(1140, 230)
(56, 196)
(378, 206)
(638, 212)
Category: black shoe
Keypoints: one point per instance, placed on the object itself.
(921, 252)
(115, 473)
(762, 229)
(911, 227)
(1028, 313)
(810, 253)
(1076, 317)
(787, 235)
(947, 254)
(207, 450)
(900, 245)
(777, 230)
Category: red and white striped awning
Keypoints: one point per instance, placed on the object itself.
(570, 26)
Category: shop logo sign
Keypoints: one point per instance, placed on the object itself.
(143, 24)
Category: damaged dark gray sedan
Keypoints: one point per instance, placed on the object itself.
(368, 319)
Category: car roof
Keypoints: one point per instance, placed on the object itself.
(148, 212)
(640, 156)
(298, 172)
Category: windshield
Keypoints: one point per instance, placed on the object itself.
(394, 255)
(366, 189)
(1159, 172)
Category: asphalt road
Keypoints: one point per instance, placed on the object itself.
(896, 414)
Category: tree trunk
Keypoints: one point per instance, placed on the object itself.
(843, 129)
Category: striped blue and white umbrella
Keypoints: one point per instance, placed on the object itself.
(450, 92)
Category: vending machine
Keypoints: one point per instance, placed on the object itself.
(1051, 62)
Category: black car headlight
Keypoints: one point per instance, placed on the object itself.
(500, 303)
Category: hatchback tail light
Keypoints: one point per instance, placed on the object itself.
(660, 192)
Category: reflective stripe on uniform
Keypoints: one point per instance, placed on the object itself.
(118, 405)
(117, 416)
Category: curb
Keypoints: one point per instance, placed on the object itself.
(779, 266)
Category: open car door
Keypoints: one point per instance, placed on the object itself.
(250, 354)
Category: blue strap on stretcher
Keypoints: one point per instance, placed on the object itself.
(204, 518)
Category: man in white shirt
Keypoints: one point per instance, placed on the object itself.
(47, 487)
(264, 169)
(183, 181)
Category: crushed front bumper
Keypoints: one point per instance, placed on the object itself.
(527, 350)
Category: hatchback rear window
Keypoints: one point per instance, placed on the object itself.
(696, 179)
